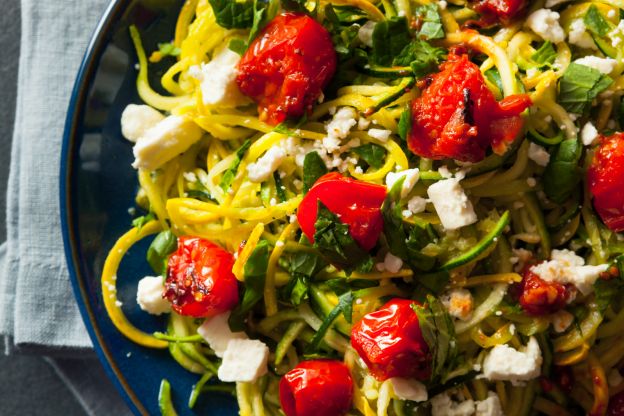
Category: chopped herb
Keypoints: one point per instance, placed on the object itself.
(168, 49)
(545, 55)
(595, 22)
(562, 174)
(238, 45)
(432, 22)
(372, 154)
(421, 56)
(390, 37)
(607, 291)
(302, 267)
(230, 173)
(344, 307)
(279, 188)
(579, 85)
(233, 14)
(158, 252)
(405, 124)
(313, 168)
(263, 13)
(139, 222)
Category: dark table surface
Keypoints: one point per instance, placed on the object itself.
(30, 385)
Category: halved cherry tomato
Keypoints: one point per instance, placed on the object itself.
(458, 117)
(539, 297)
(616, 405)
(390, 342)
(200, 282)
(357, 203)
(287, 66)
(605, 177)
(504, 10)
(317, 387)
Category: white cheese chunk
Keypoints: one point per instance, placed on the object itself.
(566, 267)
(150, 295)
(444, 405)
(551, 3)
(451, 203)
(545, 23)
(458, 303)
(409, 389)
(508, 364)
(417, 204)
(218, 80)
(137, 119)
(579, 36)
(365, 33)
(392, 263)
(380, 134)
(164, 141)
(244, 360)
(538, 154)
(490, 406)
(561, 320)
(411, 178)
(589, 134)
(604, 65)
(341, 123)
(217, 333)
(266, 165)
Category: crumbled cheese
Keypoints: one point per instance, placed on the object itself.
(409, 389)
(445, 172)
(451, 203)
(342, 122)
(617, 34)
(490, 406)
(417, 204)
(444, 405)
(538, 154)
(566, 267)
(380, 134)
(411, 178)
(392, 263)
(551, 3)
(216, 331)
(459, 303)
(561, 320)
(218, 80)
(244, 360)
(363, 123)
(604, 65)
(365, 34)
(545, 23)
(579, 36)
(508, 364)
(611, 13)
(614, 378)
(137, 119)
(164, 141)
(266, 165)
(150, 295)
(442, 5)
(589, 134)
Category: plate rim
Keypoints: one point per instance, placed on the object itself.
(75, 111)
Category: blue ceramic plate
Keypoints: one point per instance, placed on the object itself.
(97, 190)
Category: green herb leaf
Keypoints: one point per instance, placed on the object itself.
(545, 55)
(344, 307)
(372, 154)
(421, 56)
(139, 222)
(303, 267)
(334, 242)
(262, 15)
(439, 333)
(313, 168)
(405, 124)
(255, 275)
(233, 14)
(432, 22)
(608, 291)
(168, 49)
(389, 38)
(595, 22)
(279, 188)
(238, 45)
(230, 174)
(562, 174)
(295, 6)
(158, 252)
(579, 85)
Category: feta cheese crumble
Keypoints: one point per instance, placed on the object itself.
(150, 295)
(458, 303)
(216, 331)
(392, 263)
(451, 203)
(508, 364)
(604, 65)
(566, 267)
(538, 154)
(417, 204)
(579, 36)
(365, 33)
(380, 134)
(444, 405)
(138, 119)
(342, 122)
(409, 389)
(264, 167)
(561, 320)
(244, 360)
(490, 406)
(411, 178)
(589, 134)
(545, 23)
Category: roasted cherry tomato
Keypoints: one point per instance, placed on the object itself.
(357, 203)
(287, 66)
(605, 177)
(539, 297)
(200, 282)
(458, 117)
(616, 405)
(504, 10)
(317, 387)
(390, 342)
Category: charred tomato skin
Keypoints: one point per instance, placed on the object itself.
(503, 10)
(539, 297)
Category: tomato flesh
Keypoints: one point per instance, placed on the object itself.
(539, 297)
(605, 177)
(317, 387)
(390, 342)
(504, 10)
(458, 117)
(200, 282)
(356, 203)
(287, 66)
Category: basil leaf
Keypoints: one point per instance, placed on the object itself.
(438, 331)
(432, 22)
(405, 124)
(233, 14)
(279, 188)
(255, 275)
(389, 39)
(262, 15)
(302, 267)
(333, 240)
(595, 22)
(421, 56)
(230, 173)
(579, 85)
(545, 55)
(139, 222)
(341, 285)
(238, 45)
(344, 307)
(607, 291)
(168, 49)
(562, 174)
(158, 252)
(313, 168)
(372, 154)
(295, 6)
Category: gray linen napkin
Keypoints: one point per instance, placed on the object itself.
(37, 309)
